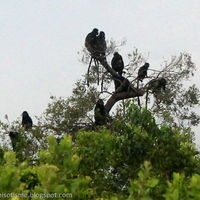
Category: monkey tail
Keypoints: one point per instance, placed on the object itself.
(147, 97)
(88, 72)
(138, 96)
(98, 75)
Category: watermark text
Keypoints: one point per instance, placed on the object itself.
(38, 195)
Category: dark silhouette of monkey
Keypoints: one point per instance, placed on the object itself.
(156, 85)
(101, 43)
(96, 45)
(91, 41)
(14, 136)
(121, 84)
(117, 63)
(142, 72)
(100, 113)
(27, 122)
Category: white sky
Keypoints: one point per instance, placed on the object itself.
(39, 41)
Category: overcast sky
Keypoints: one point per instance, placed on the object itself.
(39, 41)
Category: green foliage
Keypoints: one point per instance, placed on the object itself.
(101, 144)
(180, 187)
(56, 173)
(108, 164)
(140, 188)
(9, 174)
(114, 158)
(95, 150)
(183, 188)
(57, 170)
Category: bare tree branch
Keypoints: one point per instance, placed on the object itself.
(120, 96)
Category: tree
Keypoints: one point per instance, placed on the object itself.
(66, 151)
(172, 106)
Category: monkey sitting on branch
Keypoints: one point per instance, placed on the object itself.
(100, 113)
(155, 86)
(117, 63)
(142, 72)
(121, 84)
(14, 136)
(27, 122)
(96, 44)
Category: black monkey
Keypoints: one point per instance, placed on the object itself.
(121, 84)
(117, 63)
(100, 113)
(142, 72)
(156, 85)
(96, 45)
(27, 122)
(101, 43)
(91, 40)
(14, 136)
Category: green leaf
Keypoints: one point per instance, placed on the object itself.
(153, 182)
(176, 194)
